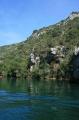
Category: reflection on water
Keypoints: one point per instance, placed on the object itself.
(38, 100)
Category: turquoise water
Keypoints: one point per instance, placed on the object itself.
(38, 100)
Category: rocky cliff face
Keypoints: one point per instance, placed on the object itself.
(73, 15)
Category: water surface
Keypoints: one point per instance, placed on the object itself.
(38, 100)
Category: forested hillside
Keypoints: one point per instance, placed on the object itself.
(50, 63)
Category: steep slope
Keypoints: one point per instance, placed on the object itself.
(65, 33)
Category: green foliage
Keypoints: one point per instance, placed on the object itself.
(35, 75)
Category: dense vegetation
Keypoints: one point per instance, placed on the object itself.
(15, 58)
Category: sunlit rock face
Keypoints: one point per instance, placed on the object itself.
(35, 60)
(76, 51)
(73, 15)
(53, 51)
